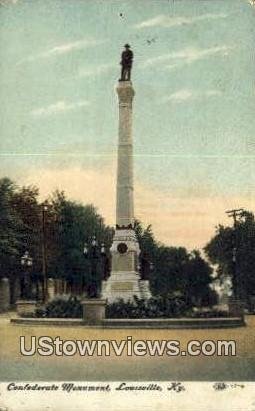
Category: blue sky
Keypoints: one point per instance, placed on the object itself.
(193, 111)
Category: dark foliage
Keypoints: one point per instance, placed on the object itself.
(232, 250)
(61, 308)
(67, 226)
(156, 307)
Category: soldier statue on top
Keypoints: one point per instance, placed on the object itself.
(126, 63)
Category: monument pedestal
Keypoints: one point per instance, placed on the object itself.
(145, 289)
(93, 310)
(26, 308)
(122, 285)
(124, 280)
(235, 307)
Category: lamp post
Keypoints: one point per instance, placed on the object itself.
(98, 265)
(25, 305)
(25, 284)
(44, 210)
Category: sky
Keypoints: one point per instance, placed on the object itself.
(193, 112)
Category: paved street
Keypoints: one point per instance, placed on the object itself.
(17, 367)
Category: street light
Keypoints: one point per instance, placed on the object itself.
(25, 283)
(26, 260)
(94, 242)
(96, 255)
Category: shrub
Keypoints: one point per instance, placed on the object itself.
(211, 314)
(155, 307)
(61, 308)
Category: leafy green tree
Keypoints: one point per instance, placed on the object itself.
(196, 282)
(19, 217)
(25, 203)
(175, 272)
(232, 250)
(148, 248)
(10, 226)
(146, 239)
(169, 265)
(68, 225)
(75, 225)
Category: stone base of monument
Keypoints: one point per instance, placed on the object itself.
(121, 285)
(123, 282)
(235, 307)
(145, 291)
(93, 310)
(26, 308)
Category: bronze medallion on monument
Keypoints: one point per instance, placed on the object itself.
(122, 248)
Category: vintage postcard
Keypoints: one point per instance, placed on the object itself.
(127, 229)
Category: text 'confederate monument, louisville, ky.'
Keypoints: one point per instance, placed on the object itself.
(125, 281)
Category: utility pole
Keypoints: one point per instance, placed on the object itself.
(238, 289)
(235, 213)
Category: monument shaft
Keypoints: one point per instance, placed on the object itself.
(125, 198)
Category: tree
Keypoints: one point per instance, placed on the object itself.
(74, 225)
(148, 249)
(175, 270)
(10, 226)
(197, 280)
(19, 217)
(232, 250)
(68, 225)
(167, 276)
(25, 203)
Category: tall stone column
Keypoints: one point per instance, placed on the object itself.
(125, 200)
(124, 281)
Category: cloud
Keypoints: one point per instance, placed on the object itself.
(6, 2)
(63, 48)
(181, 218)
(186, 94)
(180, 95)
(211, 93)
(186, 56)
(58, 107)
(96, 70)
(167, 21)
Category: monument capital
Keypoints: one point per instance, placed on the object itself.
(125, 91)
